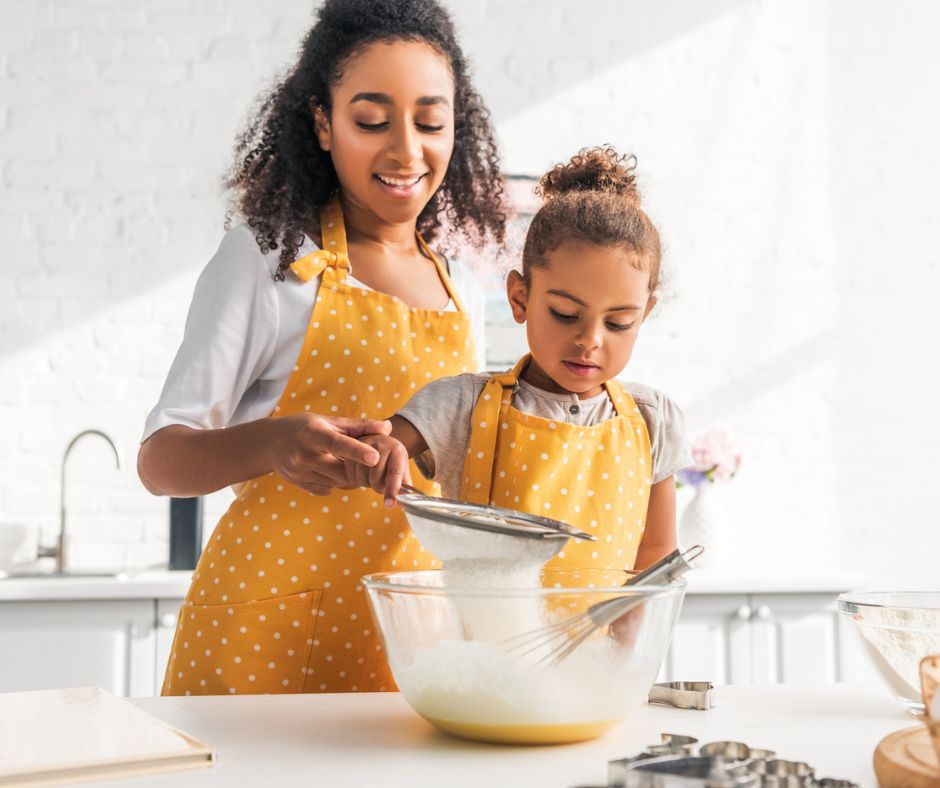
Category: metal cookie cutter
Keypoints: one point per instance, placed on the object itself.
(684, 694)
(785, 774)
(676, 771)
(736, 751)
(673, 744)
(719, 764)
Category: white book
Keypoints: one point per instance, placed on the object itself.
(55, 737)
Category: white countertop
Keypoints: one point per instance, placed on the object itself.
(773, 580)
(162, 584)
(376, 739)
(156, 584)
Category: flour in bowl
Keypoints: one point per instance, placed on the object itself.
(470, 677)
(897, 640)
(480, 683)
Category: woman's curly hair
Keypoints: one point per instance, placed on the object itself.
(282, 178)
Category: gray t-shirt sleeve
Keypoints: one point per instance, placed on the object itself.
(669, 443)
(441, 412)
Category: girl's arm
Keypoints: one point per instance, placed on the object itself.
(659, 538)
(391, 469)
(306, 449)
(407, 434)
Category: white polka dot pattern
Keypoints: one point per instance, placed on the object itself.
(276, 603)
(594, 478)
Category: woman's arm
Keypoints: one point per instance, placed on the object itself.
(306, 449)
(659, 538)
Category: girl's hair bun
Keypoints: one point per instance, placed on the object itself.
(599, 169)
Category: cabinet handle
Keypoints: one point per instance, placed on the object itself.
(168, 620)
(764, 613)
(743, 612)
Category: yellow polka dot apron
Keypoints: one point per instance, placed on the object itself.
(276, 603)
(596, 478)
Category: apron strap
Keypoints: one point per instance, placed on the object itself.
(442, 273)
(334, 254)
(480, 463)
(624, 404)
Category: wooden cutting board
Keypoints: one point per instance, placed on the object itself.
(907, 759)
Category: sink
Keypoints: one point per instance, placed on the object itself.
(68, 574)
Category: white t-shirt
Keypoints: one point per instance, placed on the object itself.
(442, 412)
(244, 331)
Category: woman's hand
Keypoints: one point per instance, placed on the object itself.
(314, 451)
(388, 473)
(306, 449)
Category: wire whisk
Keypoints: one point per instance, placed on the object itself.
(558, 640)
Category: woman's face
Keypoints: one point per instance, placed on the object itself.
(391, 128)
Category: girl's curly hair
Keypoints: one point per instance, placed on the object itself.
(282, 178)
(592, 198)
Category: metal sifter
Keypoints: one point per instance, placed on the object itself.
(459, 530)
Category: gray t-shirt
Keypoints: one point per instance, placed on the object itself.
(441, 411)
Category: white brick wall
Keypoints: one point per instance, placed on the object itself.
(788, 151)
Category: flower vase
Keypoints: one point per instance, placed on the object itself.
(702, 523)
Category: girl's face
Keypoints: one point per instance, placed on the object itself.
(583, 314)
(391, 128)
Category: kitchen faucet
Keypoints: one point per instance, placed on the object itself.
(58, 552)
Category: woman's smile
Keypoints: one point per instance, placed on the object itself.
(401, 186)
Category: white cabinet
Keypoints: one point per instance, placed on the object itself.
(52, 644)
(760, 639)
(167, 614)
(710, 641)
(795, 639)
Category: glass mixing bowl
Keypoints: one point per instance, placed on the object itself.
(482, 662)
(897, 630)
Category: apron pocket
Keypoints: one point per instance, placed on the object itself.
(249, 647)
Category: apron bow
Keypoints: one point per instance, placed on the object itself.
(311, 266)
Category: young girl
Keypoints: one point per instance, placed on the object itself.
(558, 435)
(328, 304)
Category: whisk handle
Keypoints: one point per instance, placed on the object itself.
(667, 569)
(662, 573)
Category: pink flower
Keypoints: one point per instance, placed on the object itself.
(716, 456)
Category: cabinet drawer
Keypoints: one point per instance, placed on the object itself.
(49, 645)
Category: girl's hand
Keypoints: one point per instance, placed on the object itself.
(312, 451)
(386, 475)
(625, 629)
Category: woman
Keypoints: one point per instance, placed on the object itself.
(347, 171)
